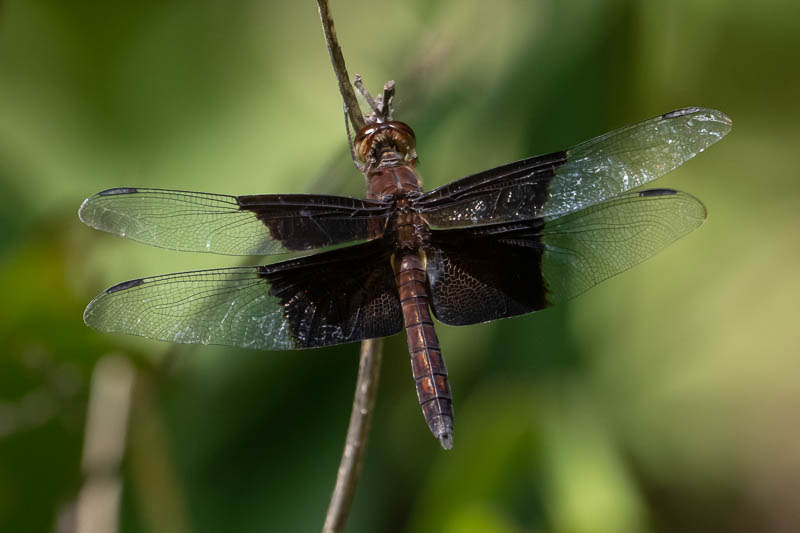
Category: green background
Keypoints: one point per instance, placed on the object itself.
(664, 400)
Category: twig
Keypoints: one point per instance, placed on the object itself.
(357, 434)
(110, 398)
(388, 96)
(359, 83)
(339, 68)
(370, 358)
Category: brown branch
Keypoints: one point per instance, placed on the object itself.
(370, 359)
(339, 68)
(357, 434)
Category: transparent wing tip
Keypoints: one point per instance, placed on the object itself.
(712, 114)
(709, 119)
(89, 313)
(88, 211)
(82, 210)
(689, 206)
(698, 127)
(446, 440)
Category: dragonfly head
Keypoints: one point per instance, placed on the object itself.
(390, 142)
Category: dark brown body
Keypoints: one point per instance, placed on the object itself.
(388, 151)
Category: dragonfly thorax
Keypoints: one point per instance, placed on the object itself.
(407, 230)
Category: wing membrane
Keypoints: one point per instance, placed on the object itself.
(585, 248)
(330, 298)
(233, 225)
(536, 264)
(585, 175)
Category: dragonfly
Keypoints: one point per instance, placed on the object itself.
(503, 242)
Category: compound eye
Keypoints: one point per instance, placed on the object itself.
(363, 141)
(406, 132)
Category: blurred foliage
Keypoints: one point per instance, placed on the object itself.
(664, 400)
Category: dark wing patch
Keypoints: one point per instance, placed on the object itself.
(507, 193)
(482, 274)
(331, 298)
(231, 225)
(339, 296)
(497, 271)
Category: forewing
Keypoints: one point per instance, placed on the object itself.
(584, 175)
(532, 265)
(335, 297)
(233, 225)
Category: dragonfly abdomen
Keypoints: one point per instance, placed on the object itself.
(427, 363)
